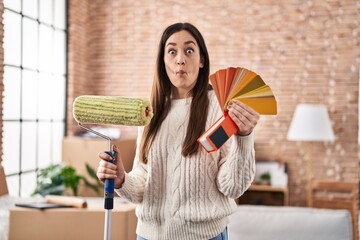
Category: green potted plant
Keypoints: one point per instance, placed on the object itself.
(265, 178)
(54, 179)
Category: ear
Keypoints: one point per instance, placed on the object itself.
(201, 62)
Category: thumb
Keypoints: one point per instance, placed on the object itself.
(116, 151)
(117, 159)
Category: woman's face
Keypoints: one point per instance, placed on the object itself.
(182, 62)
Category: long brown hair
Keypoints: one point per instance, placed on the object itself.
(161, 92)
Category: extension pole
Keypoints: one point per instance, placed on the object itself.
(109, 199)
(108, 187)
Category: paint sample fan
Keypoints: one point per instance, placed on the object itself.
(236, 84)
(243, 85)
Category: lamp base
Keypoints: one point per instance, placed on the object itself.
(309, 176)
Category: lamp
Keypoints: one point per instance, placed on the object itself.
(310, 123)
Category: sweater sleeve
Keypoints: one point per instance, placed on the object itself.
(237, 165)
(134, 184)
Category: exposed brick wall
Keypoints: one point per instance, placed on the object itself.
(307, 51)
(1, 71)
(79, 37)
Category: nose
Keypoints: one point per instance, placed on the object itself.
(180, 59)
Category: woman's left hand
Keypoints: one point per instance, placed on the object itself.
(244, 116)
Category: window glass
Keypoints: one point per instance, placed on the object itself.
(46, 55)
(28, 146)
(59, 53)
(29, 95)
(45, 95)
(13, 185)
(28, 184)
(46, 10)
(30, 8)
(12, 38)
(58, 98)
(13, 5)
(34, 97)
(58, 133)
(30, 43)
(11, 101)
(59, 14)
(11, 147)
(44, 144)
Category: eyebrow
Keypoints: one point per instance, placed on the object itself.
(186, 43)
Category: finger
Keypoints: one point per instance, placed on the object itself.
(241, 106)
(106, 164)
(106, 171)
(244, 120)
(245, 128)
(115, 149)
(103, 176)
(103, 173)
(239, 113)
(242, 111)
(105, 156)
(239, 119)
(248, 109)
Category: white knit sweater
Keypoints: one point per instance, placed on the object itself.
(188, 197)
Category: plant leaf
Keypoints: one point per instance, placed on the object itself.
(92, 186)
(91, 171)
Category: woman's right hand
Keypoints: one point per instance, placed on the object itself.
(108, 170)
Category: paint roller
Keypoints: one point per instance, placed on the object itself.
(115, 110)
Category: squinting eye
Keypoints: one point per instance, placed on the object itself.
(172, 52)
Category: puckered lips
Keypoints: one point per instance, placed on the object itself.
(181, 73)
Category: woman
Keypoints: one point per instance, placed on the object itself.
(184, 192)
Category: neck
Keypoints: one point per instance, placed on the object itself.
(176, 94)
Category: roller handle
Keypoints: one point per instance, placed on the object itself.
(109, 186)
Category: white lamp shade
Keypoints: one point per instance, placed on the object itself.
(311, 122)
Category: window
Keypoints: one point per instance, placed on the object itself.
(34, 89)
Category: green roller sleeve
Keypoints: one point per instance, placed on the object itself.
(128, 111)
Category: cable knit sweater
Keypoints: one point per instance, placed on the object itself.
(188, 197)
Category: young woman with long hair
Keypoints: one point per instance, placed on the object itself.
(182, 191)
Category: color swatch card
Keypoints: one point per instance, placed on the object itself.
(236, 84)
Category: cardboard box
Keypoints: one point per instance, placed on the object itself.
(72, 223)
(77, 151)
(3, 185)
